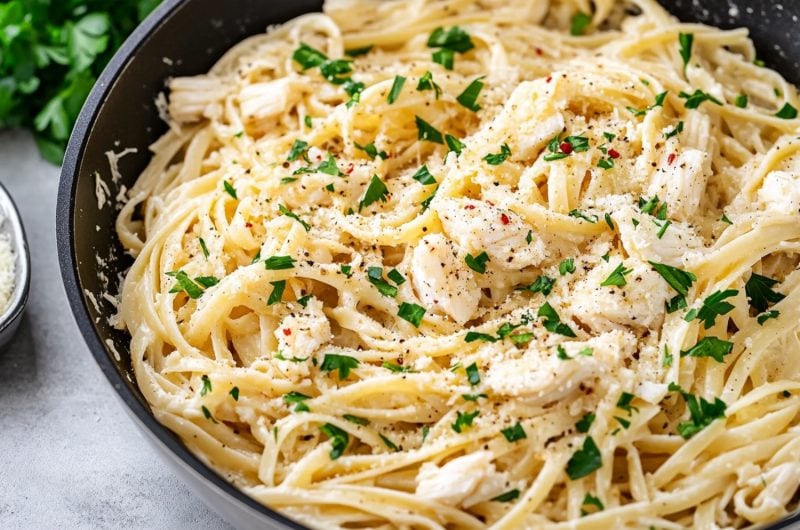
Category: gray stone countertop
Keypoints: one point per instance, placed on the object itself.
(71, 457)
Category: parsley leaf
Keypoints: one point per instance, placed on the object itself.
(297, 399)
(741, 101)
(702, 412)
(426, 82)
(185, 285)
(585, 422)
(508, 496)
(499, 158)
(206, 385)
(234, 393)
(567, 266)
(277, 292)
(358, 420)
(760, 293)
(685, 40)
(473, 376)
(709, 347)
(390, 444)
(591, 500)
(542, 284)
(308, 57)
(713, 306)
(473, 336)
(375, 277)
(396, 368)
(449, 42)
(763, 317)
(553, 323)
(397, 88)
(698, 98)
(659, 102)
(679, 280)
(376, 191)
(617, 277)
(454, 144)
(584, 461)
(342, 363)
(463, 420)
(424, 177)
(298, 148)
(787, 112)
(203, 247)
(396, 277)
(580, 214)
(279, 263)
(427, 132)
(469, 97)
(371, 151)
(477, 263)
(411, 313)
(514, 433)
(579, 22)
(229, 189)
(288, 213)
(338, 437)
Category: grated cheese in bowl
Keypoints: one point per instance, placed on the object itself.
(7, 265)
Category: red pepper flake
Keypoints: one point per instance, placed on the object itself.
(504, 219)
(566, 148)
(248, 224)
(490, 203)
(469, 207)
(287, 331)
(349, 169)
(539, 51)
(671, 158)
(613, 153)
(549, 78)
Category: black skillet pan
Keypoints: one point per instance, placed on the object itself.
(185, 37)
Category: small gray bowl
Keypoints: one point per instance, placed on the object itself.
(12, 315)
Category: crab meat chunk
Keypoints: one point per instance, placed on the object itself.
(480, 227)
(465, 480)
(442, 280)
(302, 333)
(266, 100)
(682, 183)
(780, 193)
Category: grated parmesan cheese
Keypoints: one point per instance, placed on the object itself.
(7, 266)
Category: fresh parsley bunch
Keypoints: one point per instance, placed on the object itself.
(51, 53)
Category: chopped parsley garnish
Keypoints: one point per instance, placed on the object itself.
(579, 22)
(427, 132)
(698, 98)
(609, 222)
(584, 461)
(659, 102)
(206, 385)
(292, 359)
(702, 412)
(473, 336)
(303, 301)
(624, 403)
(563, 148)
(329, 167)
(357, 52)
(521, 338)
(397, 88)
(390, 444)
(685, 40)
(477, 263)
(473, 376)
(425, 431)
(333, 69)
(338, 437)
(763, 317)
(308, 57)
(358, 420)
(308, 121)
(342, 363)
(425, 204)
(787, 112)
(207, 281)
(617, 277)
(474, 397)
(288, 213)
(677, 129)
(679, 280)
(288, 180)
(297, 399)
(185, 285)
(207, 413)
(376, 191)
(469, 97)
(498, 158)
(396, 277)
(667, 361)
(234, 393)
(463, 420)
(709, 347)
(424, 177)
(229, 189)
(203, 246)
(562, 354)
(454, 144)
(741, 101)
(426, 82)
(510, 495)
(514, 433)
(449, 42)
(725, 219)
(591, 500)
(654, 207)
(277, 292)
(298, 149)
(606, 163)
(279, 263)
(584, 424)
(371, 151)
(353, 89)
(375, 277)
(396, 368)
(580, 214)
(542, 284)
(663, 228)
(760, 293)
(567, 266)
(553, 323)
(713, 306)
(411, 313)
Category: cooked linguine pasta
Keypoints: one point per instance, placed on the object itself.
(479, 264)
